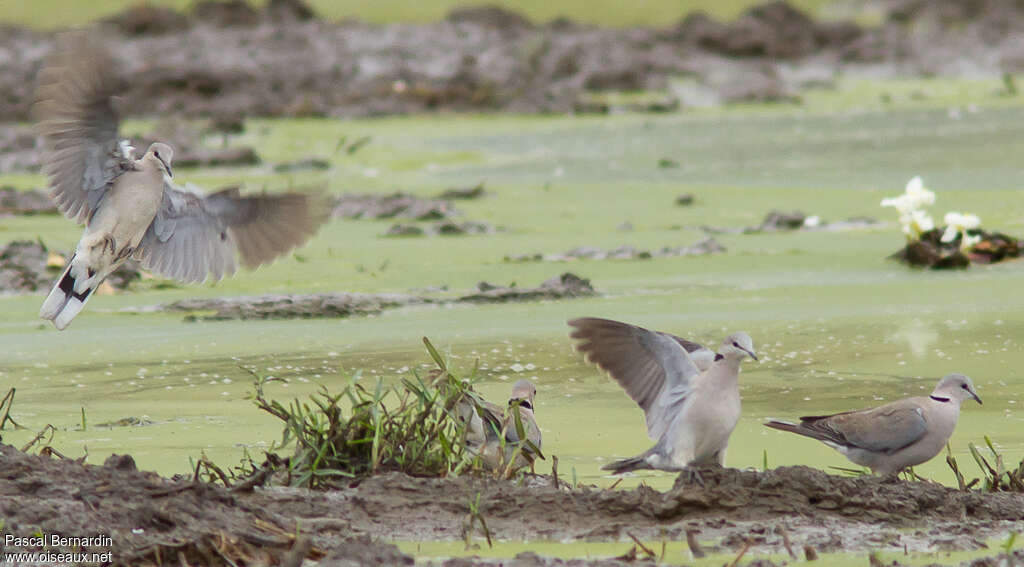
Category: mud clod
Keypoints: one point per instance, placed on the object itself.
(340, 305)
(30, 202)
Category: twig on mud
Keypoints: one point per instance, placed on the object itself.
(647, 551)
(786, 543)
(475, 516)
(297, 554)
(174, 489)
(691, 541)
(554, 470)
(746, 546)
(205, 463)
(616, 483)
(258, 478)
(49, 451)
(48, 429)
(956, 469)
(6, 404)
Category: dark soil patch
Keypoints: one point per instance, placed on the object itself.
(145, 515)
(226, 58)
(328, 305)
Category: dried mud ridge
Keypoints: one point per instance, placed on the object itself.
(227, 59)
(146, 515)
(341, 304)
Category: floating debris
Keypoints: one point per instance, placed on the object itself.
(443, 228)
(625, 252)
(686, 199)
(559, 287)
(456, 193)
(781, 221)
(308, 164)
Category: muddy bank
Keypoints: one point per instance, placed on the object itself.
(229, 59)
(341, 304)
(29, 202)
(144, 514)
(28, 266)
(21, 150)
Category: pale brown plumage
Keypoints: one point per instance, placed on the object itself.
(131, 207)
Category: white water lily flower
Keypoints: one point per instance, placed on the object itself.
(960, 223)
(918, 195)
(957, 223)
(969, 241)
(903, 204)
(920, 221)
(913, 219)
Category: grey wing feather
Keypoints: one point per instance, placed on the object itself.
(652, 367)
(196, 236)
(702, 356)
(884, 429)
(78, 124)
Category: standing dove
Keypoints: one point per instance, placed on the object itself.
(689, 394)
(890, 438)
(493, 433)
(131, 207)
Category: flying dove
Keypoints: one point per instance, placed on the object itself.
(493, 433)
(131, 207)
(689, 394)
(890, 438)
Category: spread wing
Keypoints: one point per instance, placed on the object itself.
(885, 429)
(78, 124)
(702, 356)
(654, 368)
(195, 236)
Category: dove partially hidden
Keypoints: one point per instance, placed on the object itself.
(504, 438)
(131, 206)
(890, 438)
(689, 394)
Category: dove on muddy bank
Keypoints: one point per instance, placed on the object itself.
(897, 435)
(497, 434)
(131, 207)
(689, 394)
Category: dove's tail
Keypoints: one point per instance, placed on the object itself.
(63, 303)
(626, 465)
